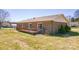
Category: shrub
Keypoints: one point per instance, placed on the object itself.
(64, 29)
(67, 28)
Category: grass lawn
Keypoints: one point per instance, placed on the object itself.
(10, 39)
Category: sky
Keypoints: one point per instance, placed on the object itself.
(22, 14)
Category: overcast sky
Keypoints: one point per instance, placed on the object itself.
(22, 14)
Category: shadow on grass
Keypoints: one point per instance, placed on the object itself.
(69, 34)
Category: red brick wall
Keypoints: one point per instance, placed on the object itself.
(50, 26)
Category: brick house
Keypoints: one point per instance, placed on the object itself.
(46, 24)
(6, 24)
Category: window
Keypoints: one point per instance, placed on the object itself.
(40, 26)
(29, 26)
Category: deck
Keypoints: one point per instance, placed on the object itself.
(29, 31)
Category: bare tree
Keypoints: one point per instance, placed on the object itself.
(3, 16)
(72, 19)
(76, 14)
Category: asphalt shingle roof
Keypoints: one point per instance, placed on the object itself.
(55, 18)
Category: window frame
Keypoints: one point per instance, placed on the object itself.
(30, 26)
(39, 25)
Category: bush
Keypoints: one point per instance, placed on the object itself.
(67, 28)
(64, 29)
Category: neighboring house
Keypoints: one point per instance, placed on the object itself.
(6, 24)
(9, 24)
(46, 24)
(71, 24)
(13, 24)
(74, 24)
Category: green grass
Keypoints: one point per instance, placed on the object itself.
(10, 39)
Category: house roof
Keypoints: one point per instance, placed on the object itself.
(55, 18)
